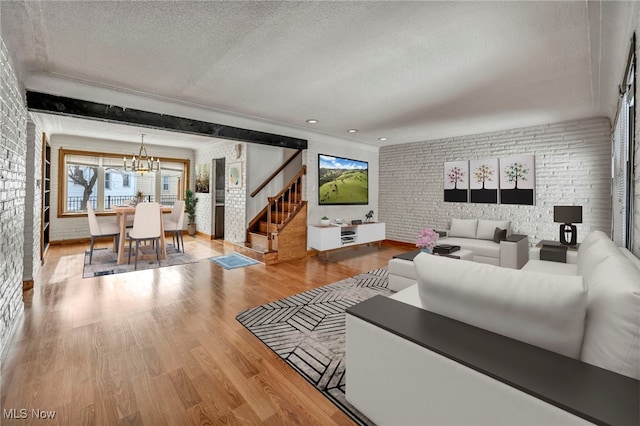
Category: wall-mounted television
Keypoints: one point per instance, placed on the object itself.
(342, 181)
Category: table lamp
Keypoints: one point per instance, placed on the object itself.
(567, 216)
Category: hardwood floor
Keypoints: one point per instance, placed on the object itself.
(162, 347)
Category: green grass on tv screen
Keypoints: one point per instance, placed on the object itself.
(343, 186)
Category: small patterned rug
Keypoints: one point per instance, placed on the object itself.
(307, 330)
(105, 261)
(234, 260)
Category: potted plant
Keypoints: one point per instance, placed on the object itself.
(139, 197)
(324, 221)
(190, 201)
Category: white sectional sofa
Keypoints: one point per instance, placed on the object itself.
(480, 236)
(470, 343)
(489, 241)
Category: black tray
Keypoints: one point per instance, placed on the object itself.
(445, 248)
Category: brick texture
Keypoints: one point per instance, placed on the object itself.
(13, 147)
(572, 162)
(235, 199)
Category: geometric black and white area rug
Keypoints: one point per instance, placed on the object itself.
(307, 330)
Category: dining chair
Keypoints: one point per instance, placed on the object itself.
(174, 224)
(98, 229)
(147, 225)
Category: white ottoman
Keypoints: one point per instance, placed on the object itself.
(402, 273)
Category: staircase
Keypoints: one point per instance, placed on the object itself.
(279, 232)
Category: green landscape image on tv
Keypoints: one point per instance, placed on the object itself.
(342, 181)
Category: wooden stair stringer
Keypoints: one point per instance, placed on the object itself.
(292, 238)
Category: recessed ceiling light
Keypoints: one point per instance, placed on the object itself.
(312, 121)
(352, 130)
(382, 139)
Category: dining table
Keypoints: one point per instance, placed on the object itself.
(122, 212)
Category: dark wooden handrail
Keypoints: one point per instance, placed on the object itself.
(303, 171)
(285, 204)
(274, 174)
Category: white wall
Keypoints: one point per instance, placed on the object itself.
(572, 166)
(262, 161)
(356, 151)
(70, 228)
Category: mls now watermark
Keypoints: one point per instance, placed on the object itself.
(23, 413)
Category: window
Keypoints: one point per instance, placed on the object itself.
(101, 179)
(623, 148)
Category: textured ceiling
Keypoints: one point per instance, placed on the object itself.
(407, 71)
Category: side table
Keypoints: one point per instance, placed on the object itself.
(554, 251)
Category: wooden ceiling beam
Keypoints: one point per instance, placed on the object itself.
(59, 105)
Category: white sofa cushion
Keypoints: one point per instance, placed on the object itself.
(591, 238)
(612, 330)
(541, 309)
(593, 254)
(487, 228)
(465, 228)
(478, 247)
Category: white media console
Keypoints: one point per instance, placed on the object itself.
(335, 236)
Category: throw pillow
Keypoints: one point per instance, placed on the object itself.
(499, 235)
(541, 309)
(464, 228)
(486, 228)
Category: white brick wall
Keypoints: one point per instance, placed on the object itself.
(572, 167)
(13, 147)
(235, 199)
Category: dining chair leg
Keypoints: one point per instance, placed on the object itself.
(129, 261)
(91, 249)
(158, 251)
(180, 235)
(135, 266)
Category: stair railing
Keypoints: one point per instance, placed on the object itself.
(286, 203)
(275, 173)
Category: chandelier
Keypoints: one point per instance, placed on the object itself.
(143, 163)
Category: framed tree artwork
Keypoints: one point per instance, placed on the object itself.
(484, 180)
(517, 180)
(456, 181)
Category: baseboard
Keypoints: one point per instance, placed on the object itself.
(27, 285)
(76, 241)
(11, 335)
(402, 244)
(202, 234)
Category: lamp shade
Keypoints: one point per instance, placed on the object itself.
(567, 214)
